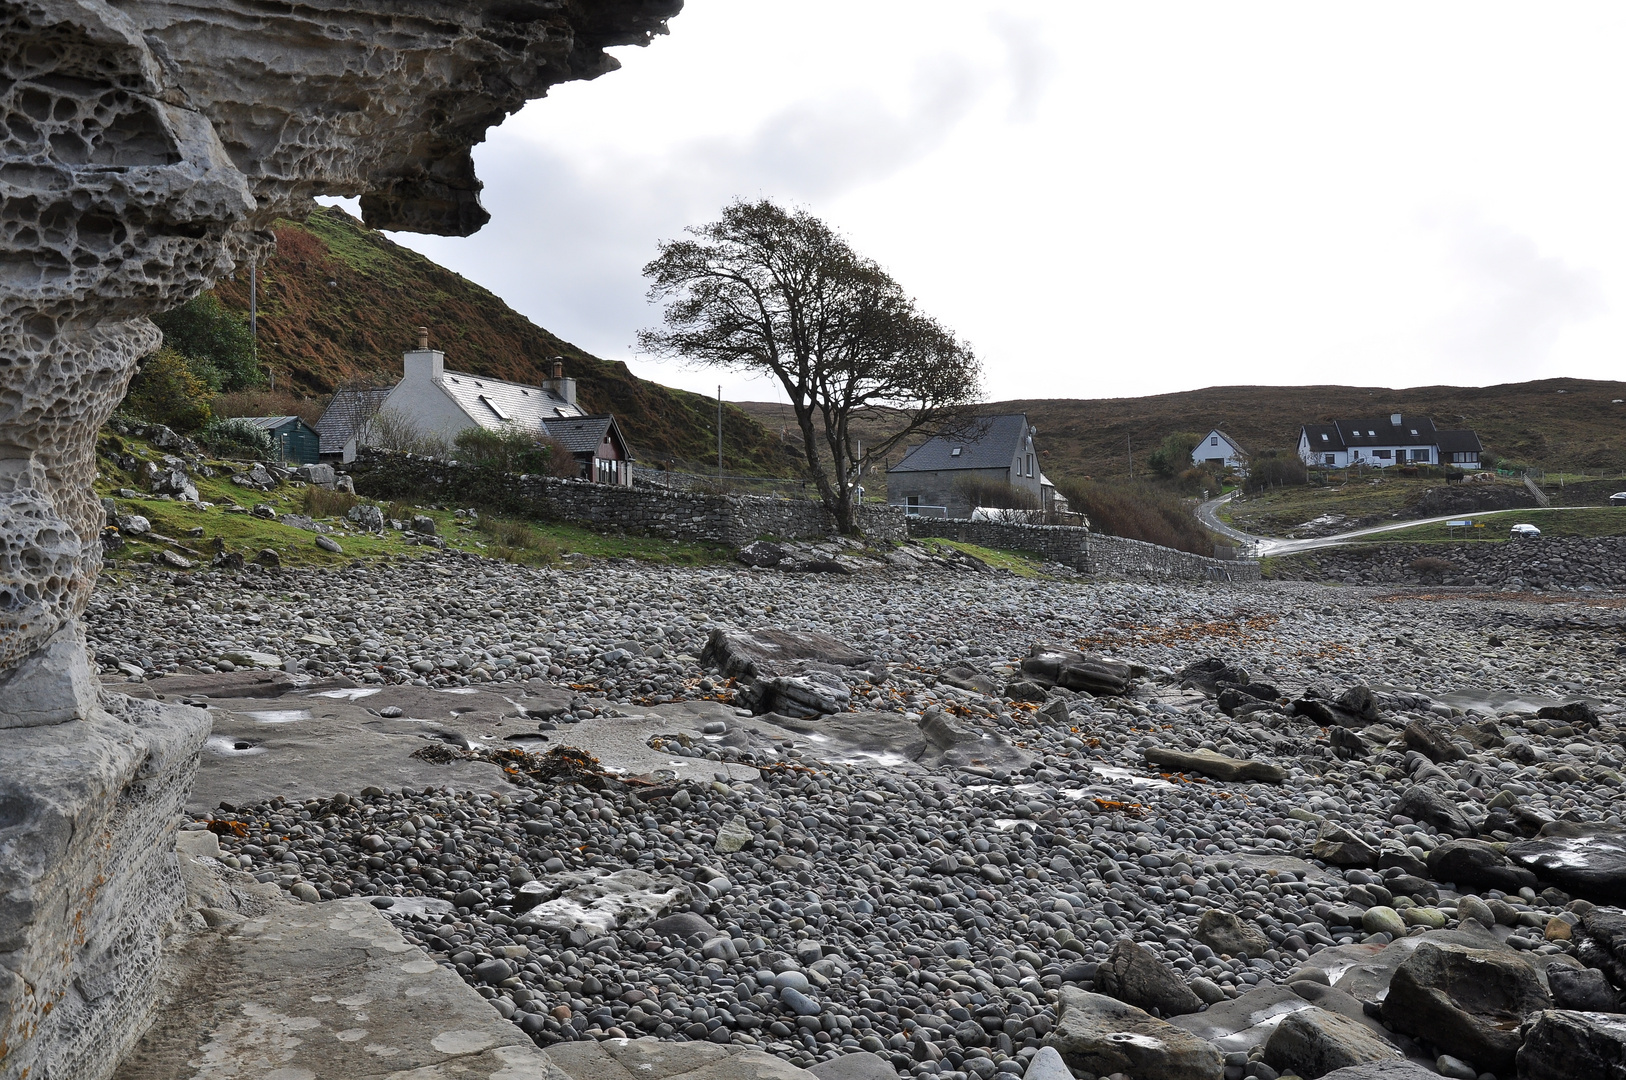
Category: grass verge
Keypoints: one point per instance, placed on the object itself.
(1021, 563)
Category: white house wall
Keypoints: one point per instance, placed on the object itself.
(428, 406)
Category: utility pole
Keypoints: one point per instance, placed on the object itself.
(1130, 443)
(719, 435)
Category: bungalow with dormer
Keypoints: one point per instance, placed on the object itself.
(1395, 440)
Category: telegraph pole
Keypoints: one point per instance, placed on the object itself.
(719, 435)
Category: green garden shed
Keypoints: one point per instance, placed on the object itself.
(292, 440)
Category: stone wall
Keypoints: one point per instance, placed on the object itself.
(1089, 552)
(735, 520)
(1548, 562)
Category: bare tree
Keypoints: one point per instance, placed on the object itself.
(770, 291)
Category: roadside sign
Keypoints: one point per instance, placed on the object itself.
(1463, 524)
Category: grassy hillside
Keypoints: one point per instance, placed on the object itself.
(339, 303)
(1554, 424)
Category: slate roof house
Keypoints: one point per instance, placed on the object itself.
(933, 478)
(448, 402)
(1393, 440)
(1218, 448)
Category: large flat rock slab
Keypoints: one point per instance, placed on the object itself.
(654, 1059)
(320, 991)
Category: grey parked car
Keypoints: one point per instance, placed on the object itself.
(1618, 499)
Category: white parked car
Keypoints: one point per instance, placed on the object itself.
(1525, 531)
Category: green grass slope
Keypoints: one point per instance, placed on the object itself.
(339, 302)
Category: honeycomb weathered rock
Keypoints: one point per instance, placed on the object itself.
(148, 145)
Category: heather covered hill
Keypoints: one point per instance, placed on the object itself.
(1553, 424)
(339, 302)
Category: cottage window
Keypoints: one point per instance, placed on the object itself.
(1213, 440)
(1331, 459)
(955, 452)
(1324, 437)
(1384, 454)
(1030, 464)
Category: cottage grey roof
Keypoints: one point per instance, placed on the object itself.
(584, 434)
(987, 442)
(493, 402)
(1234, 444)
(346, 414)
(1458, 442)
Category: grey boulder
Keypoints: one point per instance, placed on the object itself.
(1476, 863)
(1313, 1042)
(1098, 1035)
(1468, 1002)
(1135, 976)
(1225, 933)
(1420, 802)
(1561, 1045)
(1218, 766)
(1584, 860)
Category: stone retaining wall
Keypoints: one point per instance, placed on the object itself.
(1088, 552)
(735, 520)
(1556, 562)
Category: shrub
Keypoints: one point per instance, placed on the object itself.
(511, 448)
(995, 494)
(1139, 512)
(1173, 457)
(321, 502)
(1276, 469)
(517, 542)
(166, 391)
(234, 437)
(391, 429)
(215, 342)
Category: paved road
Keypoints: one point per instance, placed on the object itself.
(1260, 546)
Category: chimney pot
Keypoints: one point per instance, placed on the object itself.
(558, 367)
(423, 337)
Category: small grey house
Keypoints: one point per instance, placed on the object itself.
(938, 478)
(292, 440)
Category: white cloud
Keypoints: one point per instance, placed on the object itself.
(1513, 302)
(1110, 199)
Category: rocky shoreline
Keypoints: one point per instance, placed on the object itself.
(957, 821)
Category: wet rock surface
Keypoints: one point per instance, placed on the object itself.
(922, 881)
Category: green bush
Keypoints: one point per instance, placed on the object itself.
(513, 449)
(236, 438)
(1173, 457)
(166, 391)
(1276, 469)
(215, 341)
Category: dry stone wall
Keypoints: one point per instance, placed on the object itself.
(735, 520)
(1088, 552)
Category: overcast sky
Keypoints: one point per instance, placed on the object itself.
(1111, 199)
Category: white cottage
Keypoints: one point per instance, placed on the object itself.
(447, 402)
(1220, 450)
